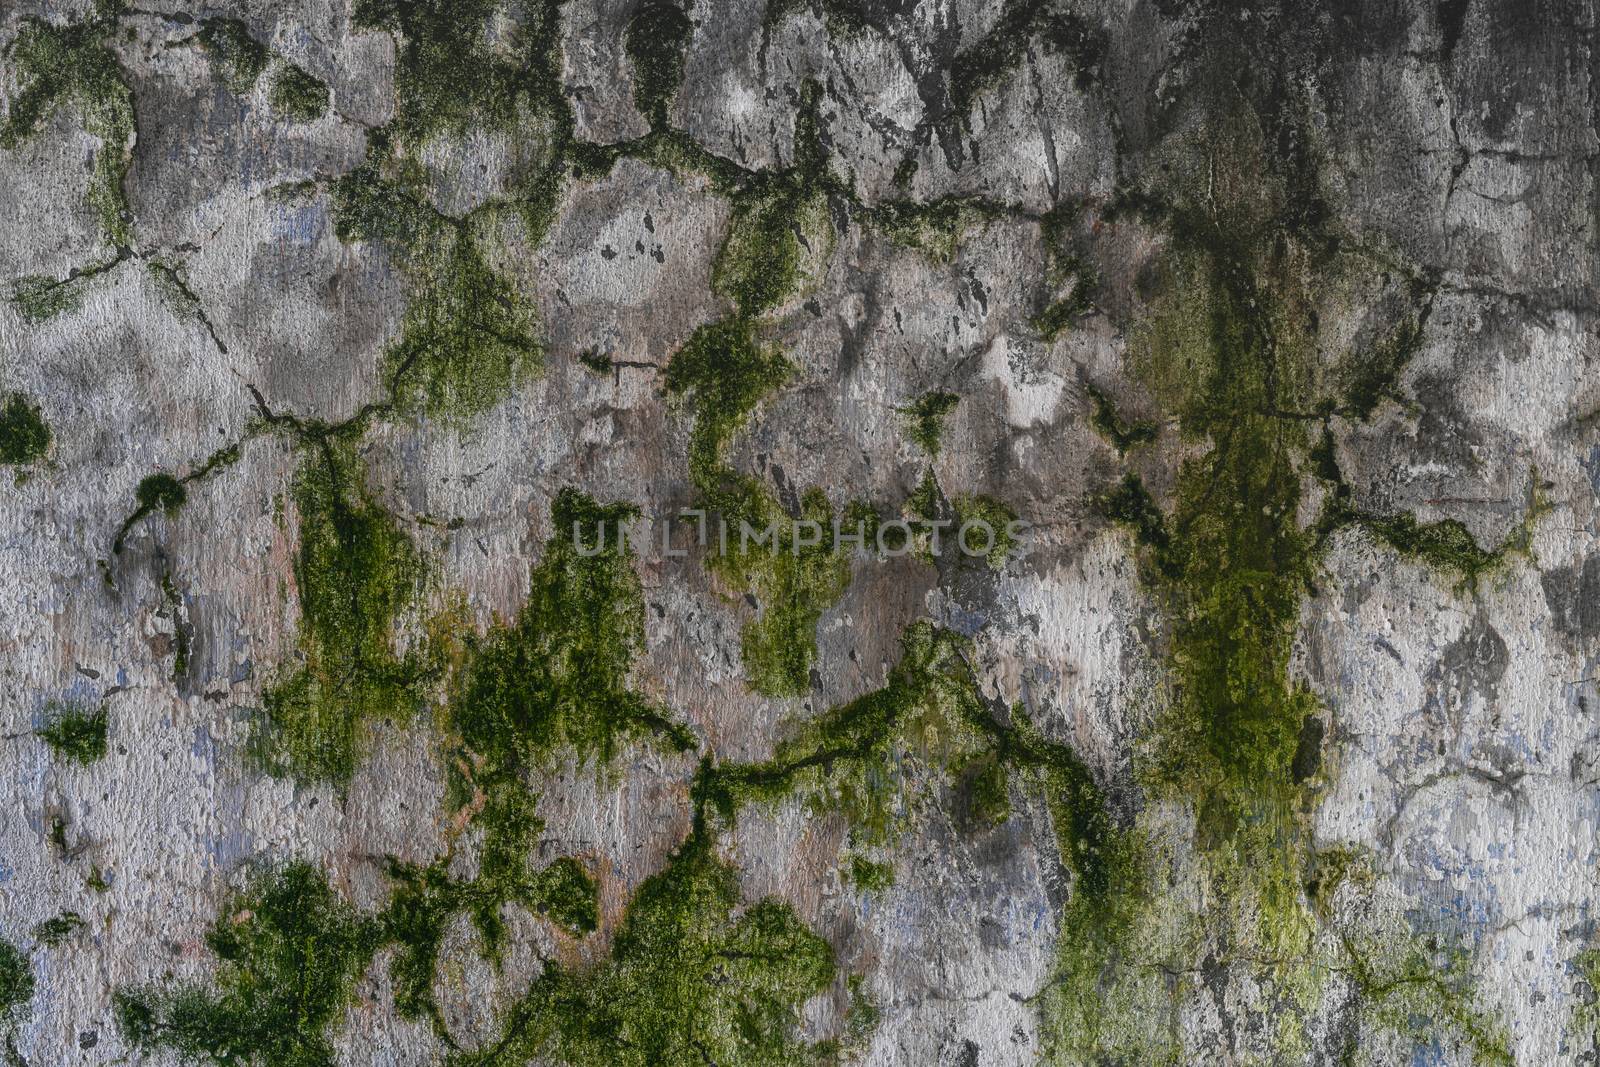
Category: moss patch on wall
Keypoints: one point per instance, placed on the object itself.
(69, 65)
(240, 58)
(298, 95)
(925, 418)
(76, 733)
(688, 982)
(290, 951)
(24, 435)
(356, 572)
(556, 678)
(468, 337)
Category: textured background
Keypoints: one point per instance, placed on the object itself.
(1276, 321)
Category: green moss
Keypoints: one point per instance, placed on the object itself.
(53, 932)
(1061, 314)
(71, 66)
(240, 57)
(290, 951)
(851, 758)
(774, 235)
(468, 337)
(687, 983)
(793, 586)
(935, 228)
(356, 572)
(728, 372)
(998, 517)
(1447, 544)
(450, 78)
(166, 493)
(1231, 347)
(182, 629)
(425, 899)
(76, 733)
(161, 491)
(1124, 436)
(1427, 995)
(869, 876)
(24, 436)
(1130, 504)
(655, 39)
(16, 984)
(925, 418)
(300, 96)
(985, 64)
(1585, 1017)
(925, 500)
(1373, 376)
(39, 297)
(556, 678)
(596, 361)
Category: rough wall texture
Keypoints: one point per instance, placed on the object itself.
(335, 329)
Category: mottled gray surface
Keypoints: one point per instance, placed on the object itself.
(1463, 748)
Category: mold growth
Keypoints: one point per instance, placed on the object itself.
(24, 435)
(70, 66)
(75, 733)
(290, 950)
(655, 40)
(356, 573)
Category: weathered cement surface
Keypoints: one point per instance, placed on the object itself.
(1164, 235)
